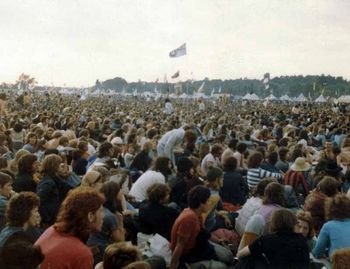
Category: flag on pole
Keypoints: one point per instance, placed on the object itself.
(266, 81)
(201, 88)
(266, 78)
(180, 51)
(177, 74)
(84, 95)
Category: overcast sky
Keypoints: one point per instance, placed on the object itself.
(75, 42)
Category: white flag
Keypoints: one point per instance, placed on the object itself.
(180, 51)
(84, 95)
(201, 88)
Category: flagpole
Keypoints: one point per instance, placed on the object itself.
(187, 101)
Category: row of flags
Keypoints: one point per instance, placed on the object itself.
(266, 82)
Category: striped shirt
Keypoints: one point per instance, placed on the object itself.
(255, 175)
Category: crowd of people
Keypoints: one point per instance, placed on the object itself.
(229, 184)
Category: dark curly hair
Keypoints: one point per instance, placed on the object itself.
(161, 164)
(19, 208)
(25, 164)
(230, 164)
(73, 215)
(157, 192)
(337, 207)
(17, 127)
(197, 196)
(104, 149)
(306, 216)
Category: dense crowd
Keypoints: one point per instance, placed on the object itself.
(227, 183)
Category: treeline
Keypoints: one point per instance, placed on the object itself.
(291, 85)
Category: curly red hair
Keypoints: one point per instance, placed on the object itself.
(73, 214)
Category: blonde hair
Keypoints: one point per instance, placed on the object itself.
(13, 165)
(120, 255)
(91, 178)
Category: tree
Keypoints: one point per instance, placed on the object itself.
(25, 82)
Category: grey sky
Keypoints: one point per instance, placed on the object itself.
(77, 41)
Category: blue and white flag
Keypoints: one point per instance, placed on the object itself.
(180, 51)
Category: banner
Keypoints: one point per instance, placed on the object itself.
(180, 51)
(177, 74)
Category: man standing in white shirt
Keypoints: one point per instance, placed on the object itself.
(172, 140)
(168, 107)
(201, 106)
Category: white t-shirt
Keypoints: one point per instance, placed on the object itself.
(168, 108)
(146, 180)
(252, 205)
(91, 150)
(209, 158)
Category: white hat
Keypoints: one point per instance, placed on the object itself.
(117, 141)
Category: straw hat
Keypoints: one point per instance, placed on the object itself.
(300, 164)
